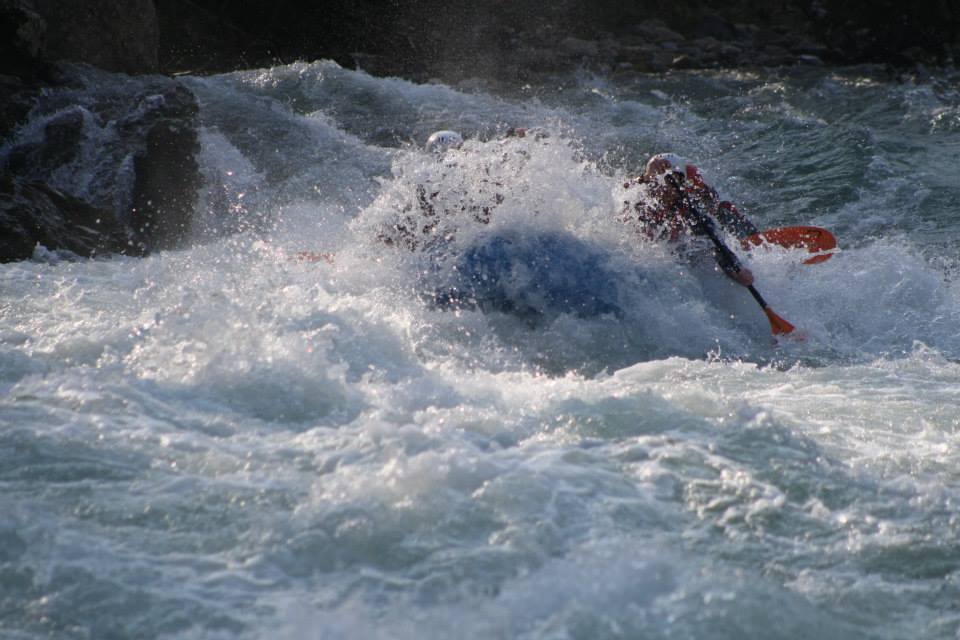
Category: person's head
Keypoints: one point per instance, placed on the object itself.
(661, 165)
(440, 141)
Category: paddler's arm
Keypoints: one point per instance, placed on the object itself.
(733, 268)
(723, 211)
(702, 223)
(733, 221)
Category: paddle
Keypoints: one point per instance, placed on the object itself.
(729, 260)
(816, 240)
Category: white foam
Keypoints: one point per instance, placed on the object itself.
(234, 438)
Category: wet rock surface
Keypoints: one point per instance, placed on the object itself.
(36, 217)
(166, 172)
(105, 147)
(23, 38)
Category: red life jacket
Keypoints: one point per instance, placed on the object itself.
(673, 223)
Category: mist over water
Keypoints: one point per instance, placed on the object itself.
(231, 441)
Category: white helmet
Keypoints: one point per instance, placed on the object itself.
(440, 141)
(671, 161)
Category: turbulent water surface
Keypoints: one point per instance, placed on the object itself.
(233, 441)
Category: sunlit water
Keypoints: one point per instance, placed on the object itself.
(228, 441)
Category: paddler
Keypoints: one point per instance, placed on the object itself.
(422, 224)
(671, 201)
(428, 221)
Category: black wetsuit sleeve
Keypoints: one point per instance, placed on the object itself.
(734, 221)
(726, 259)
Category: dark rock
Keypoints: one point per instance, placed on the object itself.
(704, 51)
(206, 39)
(116, 35)
(58, 145)
(810, 60)
(32, 213)
(656, 31)
(713, 26)
(577, 47)
(870, 31)
(167, 173)
(729, 52)
(661, 61)
(212, 35)
(537, 59)
(639, 58)
(456, 39)
(23, 36)
(124, 147)
(683, 62)
(776, 53)
(806, 46)
(916, 55)
(15, 104)
(766, 37)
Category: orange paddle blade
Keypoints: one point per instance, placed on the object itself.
(778, 325)
(813, 239)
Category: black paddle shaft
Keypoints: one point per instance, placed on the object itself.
(727, 257)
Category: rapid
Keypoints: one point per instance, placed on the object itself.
(233, 441)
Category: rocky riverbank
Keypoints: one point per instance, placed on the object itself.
(503, 38)
(140, 131)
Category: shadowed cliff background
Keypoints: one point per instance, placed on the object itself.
(425, 37)
(431, 36)
(434, 37)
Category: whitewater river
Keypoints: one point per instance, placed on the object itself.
(229, 441)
